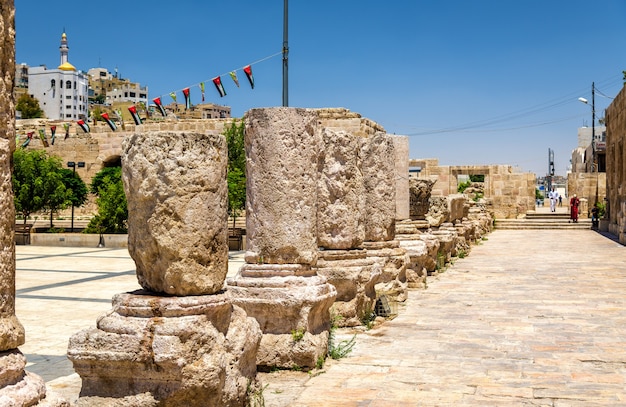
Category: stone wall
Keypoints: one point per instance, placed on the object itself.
(615, 168)
(511, 193)
(590, 186)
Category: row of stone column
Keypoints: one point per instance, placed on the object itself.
(320, 225)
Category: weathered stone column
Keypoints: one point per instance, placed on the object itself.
(279, 286)
(415, 235)
(380, 191)
(180, 340)
(17, 386)
(341, 230)
(401, 161)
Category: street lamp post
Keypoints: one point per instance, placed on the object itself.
(594, 167)
(73, 165)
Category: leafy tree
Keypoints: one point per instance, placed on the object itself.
(112, 214)
(38, 183)
(29, 107)
(236, 168)
(477, 178)
(76, 187)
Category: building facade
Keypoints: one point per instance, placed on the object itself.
(616, 166)
(111, 88)
(62, 92)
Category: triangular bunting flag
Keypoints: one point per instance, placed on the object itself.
(106, 118)
(233, 76)
(29, 137)
(248, 71)
(173, 96)
(135, 115)
(187, 99)
(159, 105)
(83, 126)
(218, 85)
(66, 126)
(53, 130)
(202, 90)
(42, 136)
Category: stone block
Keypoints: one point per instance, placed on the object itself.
(176, 189)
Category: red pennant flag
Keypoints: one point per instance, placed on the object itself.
(218, 85)
(248, 71)
(53, 130)
(83, 126)
(159, 105)
(187, 99)
(106, 118)
(133, 113)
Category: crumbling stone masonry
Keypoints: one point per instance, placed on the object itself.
(279, 285)
(616, 167)
(17, 386)
(179, 340)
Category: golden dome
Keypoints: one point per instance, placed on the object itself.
(66, 66)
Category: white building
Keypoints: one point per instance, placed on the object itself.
(63, 92)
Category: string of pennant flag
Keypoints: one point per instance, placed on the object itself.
(217, 82)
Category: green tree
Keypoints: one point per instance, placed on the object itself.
(29, 107)
(76, 186)
(37, 183)
(112, 216)
(236, 168)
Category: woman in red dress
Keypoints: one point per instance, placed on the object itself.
(573, 204)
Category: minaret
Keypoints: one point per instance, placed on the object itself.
(64, 48)
(65, 65)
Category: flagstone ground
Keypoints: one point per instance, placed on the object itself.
(528, 318)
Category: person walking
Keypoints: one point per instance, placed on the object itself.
(573, 204)
(554, 196)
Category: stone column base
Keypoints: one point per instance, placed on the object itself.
(291, 303)
(191, 351)
(354, 276)
(393, 261)
(21, 388)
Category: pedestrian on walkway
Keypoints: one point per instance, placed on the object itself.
(573, 204)
(560, 200)
(554, 196)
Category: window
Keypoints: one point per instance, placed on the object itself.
(133, 94)
(68, 97)
(68, 85)
(53, 83)
(68, 106)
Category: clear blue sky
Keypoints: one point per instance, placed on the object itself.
(471, 82)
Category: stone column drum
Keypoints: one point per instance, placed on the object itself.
(379, 174)
(180, 340)
(341, 230)
(17, 386)
(278, 285)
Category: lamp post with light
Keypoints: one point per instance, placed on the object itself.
(73, 165)
(594, 167)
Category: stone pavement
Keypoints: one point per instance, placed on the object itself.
(530, 317)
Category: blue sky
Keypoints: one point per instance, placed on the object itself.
(471, 82)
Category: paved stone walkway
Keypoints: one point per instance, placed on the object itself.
(533, 318)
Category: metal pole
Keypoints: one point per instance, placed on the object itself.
(72, 227)
(285, 54)
(594, 165)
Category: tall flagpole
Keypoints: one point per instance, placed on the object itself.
(285, 55)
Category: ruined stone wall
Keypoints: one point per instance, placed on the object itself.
(102, 145)
(512, 193)
(615, 168)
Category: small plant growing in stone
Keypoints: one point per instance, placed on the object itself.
(343, 348)
(368, 317)
(255, 397)
(320, 362)
(297, 334)
(462, 254)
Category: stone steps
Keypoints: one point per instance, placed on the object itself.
(543, 221)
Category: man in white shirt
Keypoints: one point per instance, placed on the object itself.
(554, 198)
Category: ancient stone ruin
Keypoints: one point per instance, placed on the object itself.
(278, 285)
(18, 387)
(179, 340)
